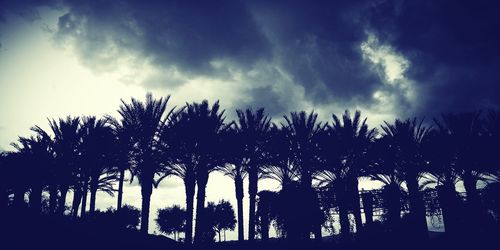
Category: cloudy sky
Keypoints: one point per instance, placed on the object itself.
(386, 58)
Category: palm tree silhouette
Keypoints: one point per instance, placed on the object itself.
(36, 156)
(407, 137)
(302, 131)
(252, 129)
(181, 160)
(443, 172)
(192, 146)
(67, 135)
(465, 134)
(384, 168)
(122, 152)
(207, 125)
(145, 120)
(279, 165)
(234, 169)
(355, 137)
(96, 149)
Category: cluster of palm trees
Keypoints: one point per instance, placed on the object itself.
(152, 142)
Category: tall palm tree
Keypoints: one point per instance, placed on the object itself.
(65, 143)
(464, 133)
(303, 131)
(234, 169)
(252, 129)
(192, 147)
(122, 152)
(96, 149)
(181, 160)
(145, 120)
(355, 138)
(407, 137)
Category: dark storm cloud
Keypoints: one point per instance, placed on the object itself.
(317, 45)
(283, 48)
(181, 34)
(453, 47)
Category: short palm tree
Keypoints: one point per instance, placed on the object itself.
(36, 157)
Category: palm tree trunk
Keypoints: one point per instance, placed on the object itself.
(356, 206)
(62, 200)
(392, 199)
(342, 199)
(264, 221)
(238, 182)
(93, 194)
(448, 203)
(252, 193)
(36, 199)
(367, 198)
(200, 227)
(473, 205)
(345, 229)
(417, 208)
(84, 199)
(120, 189)
(19, 197)
(189, 185)
(53, 198)
(146, 190)
(77, 198)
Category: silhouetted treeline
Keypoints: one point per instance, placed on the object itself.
(319, 165)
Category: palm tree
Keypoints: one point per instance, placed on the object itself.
(145, 120)
(234, 169)
(443, 173)
(36, 157)
(67, 138)
(303, 131)
(96, 149)
(407, 137)
(252, 129)
(355, 138)
(122, 152)
(191, 149)
(52, 167)
(384, 168)
(279, 165)
(181, 160)
(464, 133)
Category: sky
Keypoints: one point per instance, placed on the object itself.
(388, 58)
